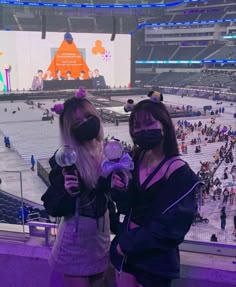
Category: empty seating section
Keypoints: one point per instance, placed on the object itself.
(186, 53)
(183, 79)
(57, 23)
(171, 78)
(123, 2)
(33, 22)
(160, 19)
(202, 4)
(60, 1)
(8, 20)
(211, 16)
(227, 52)
(129, 24)
(207, 51)
(144, 79)
(143, 52)
(10, 208)
(155, 1)
(104, 1)
(104, 23)
(230, 1)
(230, 8)
(185, 17)
(163, 52)
(230, 16)
(83, 24)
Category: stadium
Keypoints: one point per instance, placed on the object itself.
(118, 50)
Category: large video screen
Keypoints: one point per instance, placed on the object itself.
(90, 58)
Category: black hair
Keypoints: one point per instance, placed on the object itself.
(160, 113)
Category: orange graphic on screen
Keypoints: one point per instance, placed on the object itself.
(98, 48)
(68, 59)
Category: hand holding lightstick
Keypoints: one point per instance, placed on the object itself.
(66, 158)
(118, 164)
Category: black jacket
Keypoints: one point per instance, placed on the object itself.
(164, 219)
(93, 202)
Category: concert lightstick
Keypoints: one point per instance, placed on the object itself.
(66, 158)
(118, 162)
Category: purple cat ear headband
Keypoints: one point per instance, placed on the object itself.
(59, 108)
(155, 97)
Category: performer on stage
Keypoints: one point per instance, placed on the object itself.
(37, 84)
(68, 75)
(98, 80)
(49, 76)
(81, 76)
(58, 75)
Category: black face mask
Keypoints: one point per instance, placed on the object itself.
(88, 130)
(148, 139)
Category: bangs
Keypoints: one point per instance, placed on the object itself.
(81, 108)
(142, 116)
(146, 111)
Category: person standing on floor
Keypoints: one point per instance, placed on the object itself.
(225, 196)
(32, 160)
(7, 142)
(222, 218)
(234, 233)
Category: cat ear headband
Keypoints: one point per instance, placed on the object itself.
(155, 97)
(59, 108)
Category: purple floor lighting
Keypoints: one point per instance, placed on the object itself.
(7, 79)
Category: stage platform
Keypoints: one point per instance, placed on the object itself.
(109, 102)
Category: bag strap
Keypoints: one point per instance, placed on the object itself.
(158, 168)
(153, 173)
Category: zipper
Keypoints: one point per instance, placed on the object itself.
(122, 265)
(124, 260)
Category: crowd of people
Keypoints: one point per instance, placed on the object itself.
(157, 220)
(220, 188)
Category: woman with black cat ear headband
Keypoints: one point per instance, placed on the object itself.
(160, 203)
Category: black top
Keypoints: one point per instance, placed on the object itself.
(164, 212)
(57, 202)
(99, 82)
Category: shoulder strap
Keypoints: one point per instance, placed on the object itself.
(154, 172)
(170, 161)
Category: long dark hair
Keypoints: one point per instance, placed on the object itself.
(160, 113)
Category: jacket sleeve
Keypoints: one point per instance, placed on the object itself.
(169, 229)
(122, 200)
(56, 200)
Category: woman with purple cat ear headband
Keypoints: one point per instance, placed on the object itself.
(159, 205)
(81, 253)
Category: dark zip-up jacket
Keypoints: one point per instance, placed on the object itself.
(93, 202)
(164, 213)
